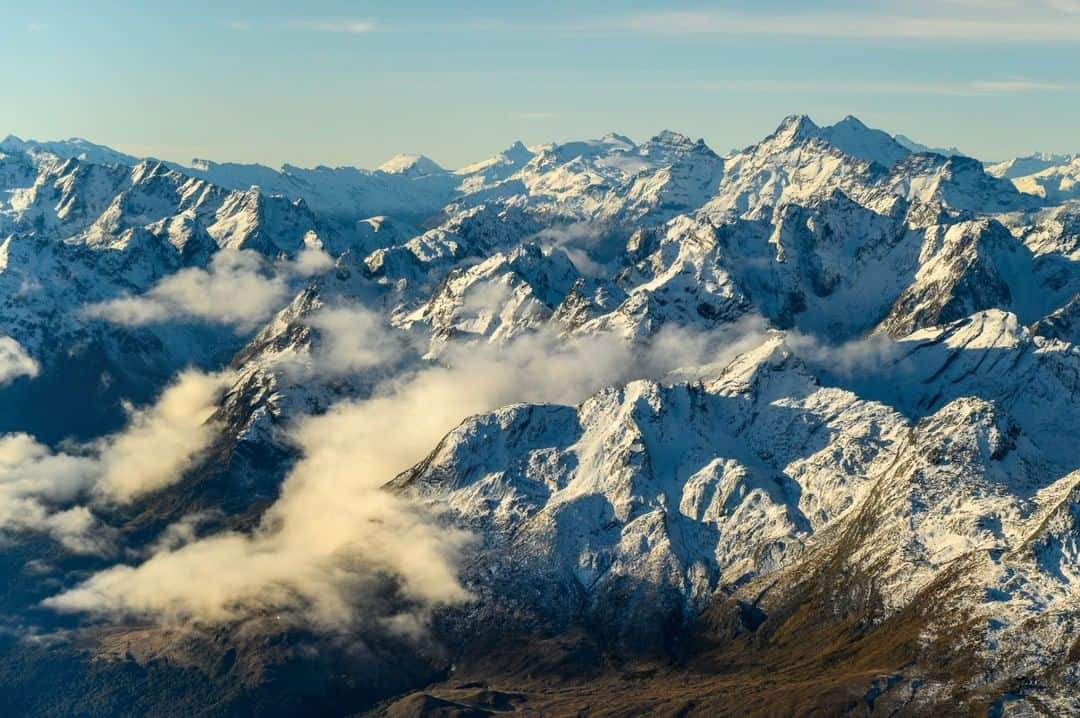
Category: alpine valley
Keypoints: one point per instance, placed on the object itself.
(593, 428)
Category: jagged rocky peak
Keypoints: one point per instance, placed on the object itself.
(517, 152)
(793, 129)
(12, 143)
(850, 135)
(147, 171)
(617, 140)
(506, 163)
(1063, 323)
(668, 140)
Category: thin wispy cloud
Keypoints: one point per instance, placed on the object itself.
(347, 27)
(975, 88)
(36, 27)
(1019, 85)
(920, 20)
(538, 116)
(351, 27)
(1069, 6)
(998, 6)
(1048, 25)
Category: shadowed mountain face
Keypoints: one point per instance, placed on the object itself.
(594, 428)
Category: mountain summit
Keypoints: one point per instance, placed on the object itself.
(413, 165)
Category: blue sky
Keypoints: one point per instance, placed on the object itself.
(334, 82)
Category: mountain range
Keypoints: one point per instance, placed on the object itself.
(585, 428)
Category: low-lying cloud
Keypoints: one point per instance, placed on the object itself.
(48, 491)
(34, 481)
(346, 339)
(859, 356)
(14, 361)
(574, 240)
(353, 339)
(160, 441)
(239, 288)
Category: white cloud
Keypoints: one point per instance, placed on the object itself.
(574, 240)
(352, 27)
(347, 339)
(160, 441)
(1013, 86)
(181, 532)
(239, 288)
(33, 480)
(352, 339)
(41, 490)
(14, 361)
(849, 359)
(1014, 25)
(311, 261)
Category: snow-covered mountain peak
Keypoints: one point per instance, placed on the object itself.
(850, 135)
(1029, 164)
(753, 369)
(413, 165)
(614, 139)
(793, 129)
(72, 148)
(516, 154)
(1057, 182)
(483, 174)
(670, 140)
(12, 143)
(853, 137)
(853, 123)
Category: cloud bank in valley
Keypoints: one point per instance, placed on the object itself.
(239, 288)
(353, 339)
(161, 440)
(48, 491)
